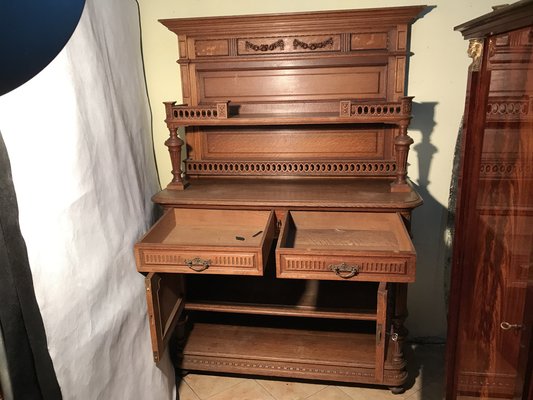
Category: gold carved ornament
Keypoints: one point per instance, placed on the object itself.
(475, 52)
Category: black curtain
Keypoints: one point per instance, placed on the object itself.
(29, 365)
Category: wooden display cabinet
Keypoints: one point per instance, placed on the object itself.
(285, 241)
(490, 319)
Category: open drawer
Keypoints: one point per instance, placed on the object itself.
(230, 242)
(345, 246)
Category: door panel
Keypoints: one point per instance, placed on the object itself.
(164, 297)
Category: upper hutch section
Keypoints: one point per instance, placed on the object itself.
(318, 94)
(294, 63)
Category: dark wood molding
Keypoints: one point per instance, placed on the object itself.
(503, 19)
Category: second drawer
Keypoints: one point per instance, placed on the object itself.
(345, 246)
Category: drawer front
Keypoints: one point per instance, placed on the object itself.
(204, 262)
(207, 241)
(356, 268)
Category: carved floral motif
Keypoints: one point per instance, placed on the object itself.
(265, 47)
(312, 46)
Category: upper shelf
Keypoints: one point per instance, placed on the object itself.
(350, 112)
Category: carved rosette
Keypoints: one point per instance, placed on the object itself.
(407, 105)
(345, 108)
(222, 110)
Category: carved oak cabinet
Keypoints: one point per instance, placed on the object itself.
(284, 248)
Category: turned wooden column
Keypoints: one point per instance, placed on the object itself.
(402, 142)
(174, 144)
(401, 146)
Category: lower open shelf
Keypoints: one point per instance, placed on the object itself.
(290, 353)
(267, 295)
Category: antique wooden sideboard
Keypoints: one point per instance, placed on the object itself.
(490, 319)
(284, 249)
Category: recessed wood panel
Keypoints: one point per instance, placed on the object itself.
(308, 144)
(369, 41)
(509, 82)
(504, 143)
(292, 84)
(401, 43)
(164, 298)
(211, 48)
(400, 74)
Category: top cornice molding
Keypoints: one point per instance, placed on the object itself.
(289, 22)
(502, 19)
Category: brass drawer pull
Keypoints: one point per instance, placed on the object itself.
(344, 270)
(197, 264)
(506, 326)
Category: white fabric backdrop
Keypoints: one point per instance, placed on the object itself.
(78, 137)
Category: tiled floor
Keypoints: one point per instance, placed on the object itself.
(426, 371)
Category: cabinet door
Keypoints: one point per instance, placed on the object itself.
(164, 297)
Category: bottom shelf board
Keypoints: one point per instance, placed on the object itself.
(292, 353)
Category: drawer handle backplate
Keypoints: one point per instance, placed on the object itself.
(344, 270)
(197, 264)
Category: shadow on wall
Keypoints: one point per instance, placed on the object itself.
(427, 321)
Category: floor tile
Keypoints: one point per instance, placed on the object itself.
(247, 390)
(281, 390)
(476, 398)
(206, 386)
(186, 393)
(378, 393)
(330, 393)
(429, 391)
(430, 360)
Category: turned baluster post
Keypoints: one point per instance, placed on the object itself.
(174, 144)
(401, 146)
